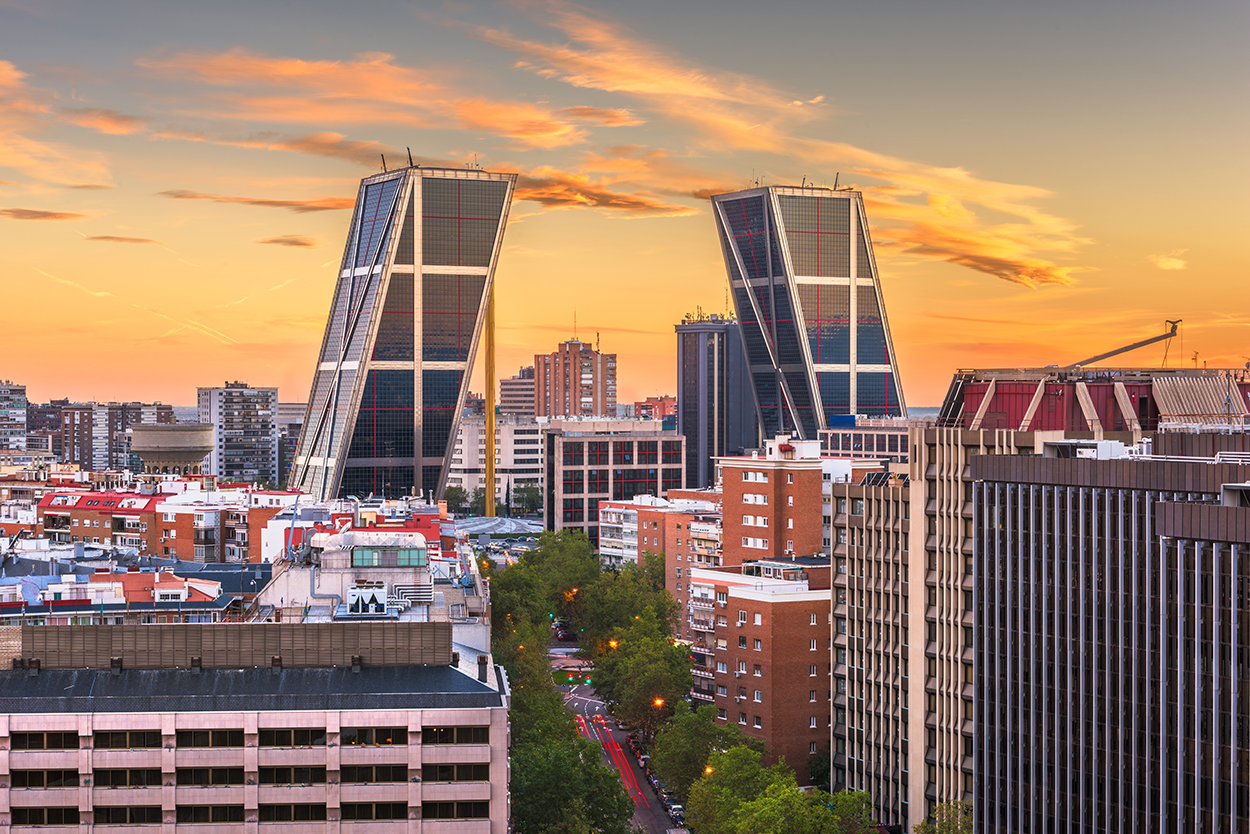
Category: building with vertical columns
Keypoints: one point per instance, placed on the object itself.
(715, 407)
(575, 381)
(1112, 683)
(402, 332)
(805, 288)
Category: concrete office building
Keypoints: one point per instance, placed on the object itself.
(1111, 681)
(808, 300)
(245, 431)
(518, 454)
(575, 381)
(408, 309)
(516, 394)
(715, 405)
(335, 727)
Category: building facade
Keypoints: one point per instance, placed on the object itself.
(518, 454)
(592, 461)
(770, 500)
(408, 309)
(575, 381)
(13, 407)
(1111, 679)
(516, 394)
(808, 300)
(245, 431)
(715, 405)
(865, 438)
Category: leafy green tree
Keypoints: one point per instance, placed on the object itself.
(851, 812)
(818, 768)
(477, 504)
(947, 818)
(618, 597)
(643, 676)
(731, 778)
(516, 594)
(456, 497)
(781, 809)
(684, 744)
(561, 788)
(529, 498)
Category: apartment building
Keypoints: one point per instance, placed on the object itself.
(516, 394)
(575, 381)
(125, 597)
(589, 462)
(245, 431)
(13, 408)
(1111, 675)
(761, 647)
(337, 727)
(685, 531)
(518, 454)
(94, 435)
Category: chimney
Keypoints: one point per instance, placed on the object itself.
(455, 658)
(481, 667)
(275, 664)
(197, 665)
(19, 663)
(115, 665)
(32, 667)
(356, 663)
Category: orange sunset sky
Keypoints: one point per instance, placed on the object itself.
(1043, 182)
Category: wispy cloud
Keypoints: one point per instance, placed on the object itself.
(367, 89)
(299, 206)
(105, 121)
(607, 116)
(23, 118)
(1169, 260)
(553, 188)
(297, 241)
(333, 145)
(120, 239)
(38, 214)
(735, 112)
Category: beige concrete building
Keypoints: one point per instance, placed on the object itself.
(516, 394)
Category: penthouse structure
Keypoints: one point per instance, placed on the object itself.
(378, 727)
(1111, 680)
(413, 288)
(809, 304)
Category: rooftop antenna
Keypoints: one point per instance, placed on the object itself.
(804, 183)
(575, 323)
(835, 180)
(383, 161)
(409, 156)
(596, 341)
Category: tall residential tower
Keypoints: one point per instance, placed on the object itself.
(804, 283)
(403, 329)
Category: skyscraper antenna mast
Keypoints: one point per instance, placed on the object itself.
(409, 156)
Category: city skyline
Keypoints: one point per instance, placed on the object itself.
(179, 193)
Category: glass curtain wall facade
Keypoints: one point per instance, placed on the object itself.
(715, 409)
(402, 333)
(804, 283)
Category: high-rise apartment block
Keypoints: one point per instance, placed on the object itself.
(245, 433)
(516, 394)
(13, 407)
(575, 381)
(409, 307)
(94, 435)
(589, 462)
(715, 405)
(808, 300)
(1111, 680)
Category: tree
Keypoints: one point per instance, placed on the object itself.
(456, 498)
(731, 778)
(645, 676)
(477, 504)
(507, 499)
(818, 768)
(851, 812)
(529, 498)
(617, 598)
(683, 746)
(561, 788)
(947, 818)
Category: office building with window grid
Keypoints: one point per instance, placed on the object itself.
(715, 408)
(403, 329)
(808, 300)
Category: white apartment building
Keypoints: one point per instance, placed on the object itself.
(12, 415)
(518, 454)
(245, 433)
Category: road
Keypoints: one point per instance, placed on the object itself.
(594, 723)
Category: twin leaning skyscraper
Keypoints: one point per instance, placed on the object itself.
(418, 269)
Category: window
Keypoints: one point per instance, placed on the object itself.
(45, 816)
(841, 625)
(372, 736)
(811, 645)
(841, 715)
(401, 557)
(742, 641)
(742, 718)
(811, 747)
(813, 620)
(811, 696)
(720, 690)
(211, 813)
(291, 776)
(300, 737)
(756, 670)
(759, 696)
(200, 776)
(722, 715)
(759, 646)
(456, 735)
(758, 619)
(44, 741)
(446, 811)
(722, 597)
(455, 773)
(126, 815)
(757, 723)
(299, 813)
(211, 738)
(742, 616)
(742, 667)
(132, 740)
(811, 722)
(811, 670)
(720, 665)
(50, 778)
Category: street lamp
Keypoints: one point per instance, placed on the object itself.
(659, 702)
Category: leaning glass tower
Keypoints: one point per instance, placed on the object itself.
(408, 308)
(804, 284)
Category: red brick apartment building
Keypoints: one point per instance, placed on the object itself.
(759, 637)
(772, 501)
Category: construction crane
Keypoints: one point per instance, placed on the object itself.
(1127, 348)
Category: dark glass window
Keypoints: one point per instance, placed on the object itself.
(371, 736)
(449, 315)
(395, 327)
(362, 774)
(50, 741)
(871, 347)
(375, 811)
(454, 810)
(592, 510)
(597, 481)
(440, 394)
(209, 738)
(210, 813)
(289, 776)
(460, 218)
(672, 451)
(405, 252)
(132, 740)
(48, 778)
(573, 511)
(876, 395)
(597, 453)
(126, 815)
(672, 479)
(45, 816)
(818, 230)
(204, 776)
(574, 481)
(384, 425)
(374, 221)
(626, 483)
(377, 480)
(622, 452)
(456, 773)
(455, 735)
(573, 453)
(299, 737)
(298, 812)
(648, 451)
(827, 316)
(835, 394)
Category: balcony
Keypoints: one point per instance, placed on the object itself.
(701, 625)
(702, 694)
(701, 602)
(701, 672)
